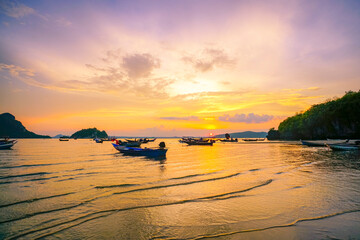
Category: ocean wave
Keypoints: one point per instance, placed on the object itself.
(272, 227)
(35, 199)
(170, 185)
(104, 213)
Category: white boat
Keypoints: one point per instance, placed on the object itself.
(121, 144)
(318, 143)
(313, 143)
(7, 144)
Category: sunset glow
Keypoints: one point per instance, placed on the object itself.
(173, 68)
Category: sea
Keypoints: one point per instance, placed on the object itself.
(246, 190)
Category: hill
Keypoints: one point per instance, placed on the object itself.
(247, 134)
(339, 118)
(90, 133)
(60, 135)
(12, 128)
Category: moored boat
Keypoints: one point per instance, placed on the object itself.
(200, 143)
(253, 139)
(229, 140)
(147, 152)
(323, 144)
(344, 147)
(146, 140)
(126, 143)
(313, 143)
(132, 140)
(185, 139)
(6, 143)
(63, 139)
(197, 141)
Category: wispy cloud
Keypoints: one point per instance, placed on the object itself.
(250, 118)
(140, 65)
(15, 9)
(63, 22)
(128, 72)
(25, 75)
(302, 89)
(16, 71)
(119, 73)
(210, 58)
(190, 118)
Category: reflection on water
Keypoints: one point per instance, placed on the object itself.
(80, 189)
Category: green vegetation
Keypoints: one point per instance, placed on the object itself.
(273, 134)
(9, 127)
(339, 118)
(90, 133)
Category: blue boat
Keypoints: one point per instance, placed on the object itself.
(344, 147)
(147, 152)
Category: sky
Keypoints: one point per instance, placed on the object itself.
(173, 68)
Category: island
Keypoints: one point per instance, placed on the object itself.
(12, 128)
(334, 119)
(90, 133)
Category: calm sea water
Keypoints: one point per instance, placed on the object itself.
(85, 190)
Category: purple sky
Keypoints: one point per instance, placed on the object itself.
(173, 67)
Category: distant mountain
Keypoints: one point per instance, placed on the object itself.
(60, 135)
(9, 127)
(89, 133)
(247, 134)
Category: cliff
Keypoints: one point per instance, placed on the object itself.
(14, 129)
(339, 118)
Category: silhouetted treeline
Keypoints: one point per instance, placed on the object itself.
(338, 118)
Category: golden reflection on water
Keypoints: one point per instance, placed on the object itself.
(86, 190)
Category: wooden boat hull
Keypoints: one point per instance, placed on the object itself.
(200, 143)
(129, 144)
(253, 139)
(344, 147)
(125, 144)
(147, 152)
(312, 144)
(8, 145)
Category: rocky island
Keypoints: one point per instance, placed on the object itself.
(90, 133)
